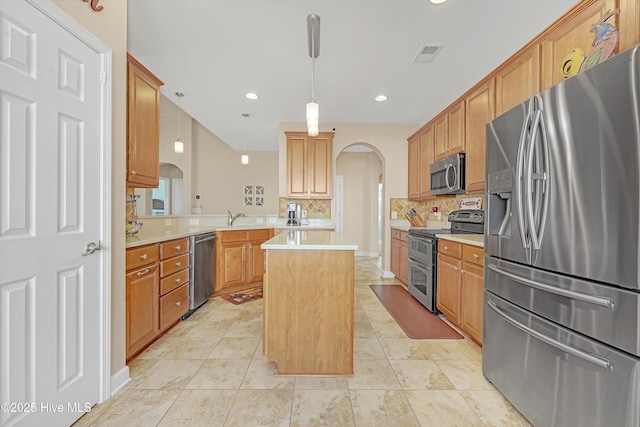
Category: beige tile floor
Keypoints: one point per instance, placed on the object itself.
(210, 371)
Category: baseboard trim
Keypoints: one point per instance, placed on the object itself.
(119, 379)
(387, 274)
(368, 254)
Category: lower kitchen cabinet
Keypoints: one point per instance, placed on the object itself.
(239, 258)
(460, 283)
(142, 282)
(400, 255)
(157, 294)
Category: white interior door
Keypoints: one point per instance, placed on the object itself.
(52, 138)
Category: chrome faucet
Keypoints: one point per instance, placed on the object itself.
(231, 217)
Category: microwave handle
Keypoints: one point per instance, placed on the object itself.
(446, 176)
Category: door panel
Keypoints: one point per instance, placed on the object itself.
(51, 97)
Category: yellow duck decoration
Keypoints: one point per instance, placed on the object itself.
(572, 63)
(605, 44)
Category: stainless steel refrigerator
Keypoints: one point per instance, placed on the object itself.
(562, 276)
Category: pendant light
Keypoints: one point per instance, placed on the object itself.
(313, 37)
(178, 146)
(245, 157)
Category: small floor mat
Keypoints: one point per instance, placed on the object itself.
(414, 319)
(244, 296)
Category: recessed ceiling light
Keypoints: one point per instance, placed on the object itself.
(381, 98)
(252, 96)
(437, 1)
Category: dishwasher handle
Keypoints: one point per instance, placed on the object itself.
(203, 239)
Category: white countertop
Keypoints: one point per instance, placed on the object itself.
(469, 239)
(307, 240)
(159, 229)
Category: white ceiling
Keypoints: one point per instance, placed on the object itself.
(215, 51)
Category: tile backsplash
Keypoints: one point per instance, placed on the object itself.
(424, 207)
(316, 209)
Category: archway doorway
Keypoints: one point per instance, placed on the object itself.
(361, 168)
(166, 199)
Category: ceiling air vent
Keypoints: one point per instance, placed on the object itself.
(427, 53)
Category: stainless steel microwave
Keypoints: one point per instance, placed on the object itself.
(447, 175)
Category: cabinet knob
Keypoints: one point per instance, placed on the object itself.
(178, 303)
(455, 269)
(476, 256)
(178, 264)
(144, 256)
(133, 172)
(446, 248)
(143, 272)
(461, 271)
(178, 280)
(178, 248)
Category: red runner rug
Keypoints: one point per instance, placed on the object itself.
(414, 319)
(244, 296)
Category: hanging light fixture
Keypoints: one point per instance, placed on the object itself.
(313, 37)
(245, 157)
(178, 146)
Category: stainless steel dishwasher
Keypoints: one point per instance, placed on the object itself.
(201, 274)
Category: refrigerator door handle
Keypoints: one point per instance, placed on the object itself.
(537, 209)
(524, 137)
(590, 299)
(588, 357)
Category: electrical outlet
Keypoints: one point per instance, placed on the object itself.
(259, 220)
(394, 215)
(304, 214)
(194, 221)
(167, 222)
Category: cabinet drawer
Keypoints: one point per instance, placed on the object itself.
(171, 282)
(262, 234)
(447, 247)
(173, 248)
(173, 305)
(172, 265)
(395, 234)
(473, 254)
(232, 236)
(137, 257)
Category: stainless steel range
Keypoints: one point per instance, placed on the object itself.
(423, 253)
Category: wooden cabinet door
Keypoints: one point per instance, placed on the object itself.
(143, 126)
(142, 320)
(448, 287)
(256, 261)
(471, 300)
(441, 136)
(395, 257)
(426, 158)
(518, 79)
(233, 258)
(414, 167)
(479, 111)
(297, 165)
(403, 262)
(572, 33)
(456, 139)
(320, 151)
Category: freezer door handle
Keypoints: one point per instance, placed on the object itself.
(588, 357)
(591, 299)
(524, 138)
(537, 195)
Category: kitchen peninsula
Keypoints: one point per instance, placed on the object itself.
(308, 303)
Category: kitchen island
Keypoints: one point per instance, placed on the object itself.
(308, 303)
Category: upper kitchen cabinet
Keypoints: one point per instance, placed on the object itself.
(449, 131)
(420, 150)
(480, 109)
(143, 126)
(518, 79)
(569, 43)
(309, 165)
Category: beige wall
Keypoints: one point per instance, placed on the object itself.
(110, 26)
(219, 178)
(389, 141)
(168, 135)
(360, 173)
